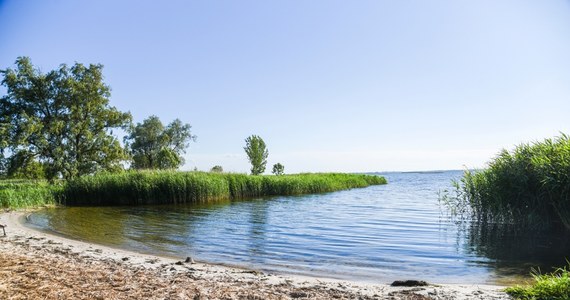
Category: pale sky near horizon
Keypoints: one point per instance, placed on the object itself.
(351, 86)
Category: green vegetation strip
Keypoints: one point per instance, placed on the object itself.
(28, 193)
(171, 187)
(553, 286)
(529, 187)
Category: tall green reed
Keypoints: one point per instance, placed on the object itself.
(29, 193)
(528, 186)
(161, 187)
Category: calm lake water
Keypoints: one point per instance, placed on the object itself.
(376, 234)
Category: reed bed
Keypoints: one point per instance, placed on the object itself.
(171, 187)
(29, 193)
(528, 187)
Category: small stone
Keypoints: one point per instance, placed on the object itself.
(298, 295)
(409, 283)
(189, 260)
(125, 258)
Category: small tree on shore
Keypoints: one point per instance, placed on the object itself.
(278, 169)
(217, 169)
(257, 154)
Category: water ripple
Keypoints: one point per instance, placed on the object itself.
(379, 233)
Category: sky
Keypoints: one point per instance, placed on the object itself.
(344, 86)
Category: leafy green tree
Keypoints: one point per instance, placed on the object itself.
(154, 146)
(257, 154)
(217, 169)
(61, 119)
(3, 164)
(278, 169)
(21, 165)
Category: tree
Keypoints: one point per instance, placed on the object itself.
(61, 119)
(278, 169)
(257, 154)
(154, 146)
(25, 166)
(3, 163)
(217, 169)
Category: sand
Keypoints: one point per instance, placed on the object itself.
(38, 265)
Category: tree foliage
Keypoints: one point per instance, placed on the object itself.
(155, 146)
(23, 166)
(61, 119)
(257, 154)
(278, 169)
(217, 169)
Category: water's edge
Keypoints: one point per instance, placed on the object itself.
(380, 233)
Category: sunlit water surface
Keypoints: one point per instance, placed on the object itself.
(375, 234)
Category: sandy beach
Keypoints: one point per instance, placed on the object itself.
(37, 265)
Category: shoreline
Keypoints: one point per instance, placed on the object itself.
(188, 279)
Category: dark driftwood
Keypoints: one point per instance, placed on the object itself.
(3, 229)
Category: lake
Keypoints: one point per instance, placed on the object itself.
(375, 234)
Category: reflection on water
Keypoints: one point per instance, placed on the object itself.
(377, 234)
(514, 252)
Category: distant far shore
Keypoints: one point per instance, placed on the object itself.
(35, 264)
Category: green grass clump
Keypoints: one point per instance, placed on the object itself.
(28, 193)
(529, 187)
(553, 286)
(171, 187)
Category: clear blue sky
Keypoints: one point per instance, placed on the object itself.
(329, 85)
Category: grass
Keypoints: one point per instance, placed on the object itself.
(553, 286)
(171, 187)
(28, 193)
(528, 187)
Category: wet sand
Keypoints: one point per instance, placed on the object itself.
(38, 265)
